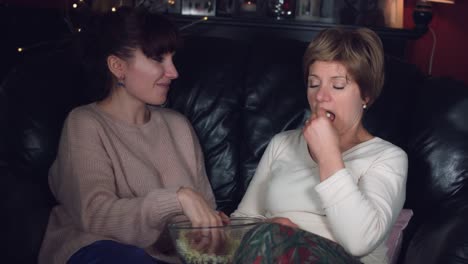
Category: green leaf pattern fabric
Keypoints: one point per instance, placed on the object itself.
(270, 243)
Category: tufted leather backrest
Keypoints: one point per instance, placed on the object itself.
(438, 173)
(275, 97)
(209, 93)
(237, 94)
(246, 92)
(439, 149)
(39, 92)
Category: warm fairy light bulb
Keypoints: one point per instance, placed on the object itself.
(79, 29)
(114, 9)
(20, 49)
(194, 23)
(75, 5)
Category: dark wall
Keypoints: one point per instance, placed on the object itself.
(450, 26)
(29, 28)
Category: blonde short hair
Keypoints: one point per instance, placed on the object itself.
(359, 50)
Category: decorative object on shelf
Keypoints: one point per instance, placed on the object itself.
(173, 6)
(225, 7)
(250, 8)
(327, 9)
(317, 10)
(308, 10)
(362, 12)
(393, 12)
(280, 9)
(199, 7)
(160, 6)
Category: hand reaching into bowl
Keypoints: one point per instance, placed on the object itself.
(209, 241)
(224, 218)
(197, 209)
(200, 214)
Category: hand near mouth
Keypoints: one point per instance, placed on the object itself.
(323, 142)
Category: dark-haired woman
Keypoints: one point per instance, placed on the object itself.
(123, 167)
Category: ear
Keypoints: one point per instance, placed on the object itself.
(366, 99)
(117, 66)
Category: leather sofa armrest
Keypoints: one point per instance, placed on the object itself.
(441, 239)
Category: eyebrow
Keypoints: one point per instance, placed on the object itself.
(333, 77)
(336, 77)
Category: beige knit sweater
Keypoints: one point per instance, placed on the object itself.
(117, 181)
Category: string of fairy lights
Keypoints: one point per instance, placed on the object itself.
(75, 5)
(83, 4)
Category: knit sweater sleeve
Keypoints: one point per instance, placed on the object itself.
(362, 212)
(83, 182)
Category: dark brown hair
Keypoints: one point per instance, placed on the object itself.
(359, 50)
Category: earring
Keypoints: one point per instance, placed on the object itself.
(121, 81)
(364, 106)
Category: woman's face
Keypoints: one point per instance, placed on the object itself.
(148, 79)
(331, 88)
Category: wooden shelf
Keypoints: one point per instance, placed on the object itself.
(298, 29)
(240, 28)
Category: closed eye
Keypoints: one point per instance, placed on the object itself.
(338, 87)
(339, 82)
(158, 58)
(313, 81)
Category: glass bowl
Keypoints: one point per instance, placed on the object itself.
(210, 244)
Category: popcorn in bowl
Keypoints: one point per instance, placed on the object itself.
(211, 244)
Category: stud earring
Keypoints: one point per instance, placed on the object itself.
(364, 106)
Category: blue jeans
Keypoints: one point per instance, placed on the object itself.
(108, 251)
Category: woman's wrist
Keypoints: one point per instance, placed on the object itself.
(330, 166)
(181, 193)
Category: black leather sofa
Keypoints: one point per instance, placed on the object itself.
(238, 94)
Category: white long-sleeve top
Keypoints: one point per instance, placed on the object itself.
(355, 207)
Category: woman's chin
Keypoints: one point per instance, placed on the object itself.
(158, 101)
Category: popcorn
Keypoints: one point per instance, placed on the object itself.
(193, 256)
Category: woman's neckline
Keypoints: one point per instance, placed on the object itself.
(344, 153)
(359, 145)
(119, 121)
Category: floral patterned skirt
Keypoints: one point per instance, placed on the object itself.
(270, 243)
